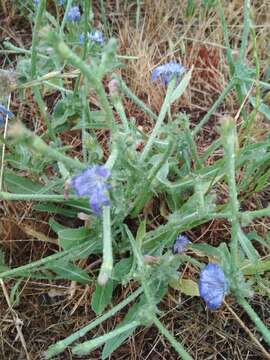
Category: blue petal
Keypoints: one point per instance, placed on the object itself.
(97, 37)
(97, 200)
(102, 171)
(74, 14)
(81, 38)
(92, 183)
(180, 244)
(156, 73)
(167, 71)
(5, 111)
(214, 301)
(213, 285)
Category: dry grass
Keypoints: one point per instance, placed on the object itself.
(47, 311)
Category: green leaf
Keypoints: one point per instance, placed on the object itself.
(56, 226)
(15, 293)
(72, 237)
(181, 87)
(62, 112)
(259, 268)
(69, 271)
(254, 236)
(55, 209)
(122, 269)
(190, 8)
(141, 233)
(114, 343)
(205, 249)
(186, 286)
(102, 297)
(21, 185)
(3, 266)
(97, 120)
(247, 246)
(264, 109)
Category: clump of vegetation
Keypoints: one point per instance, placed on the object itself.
(118, 166)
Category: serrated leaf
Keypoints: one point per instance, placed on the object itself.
(186, 286)
(102, 297)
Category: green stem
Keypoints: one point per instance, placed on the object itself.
(255, 318)
(144, 194)
(86, 347)
(118, 105)
(20, 133)
(178, 347)
(229, 143)
(191, 143)
(134, 98)
(17, 50)
(85, 112)
(87, 10)
(61, 345)
(107, 262)
(161, 117)
(90, 73)
(210, 112)
(244, 39)
(226, 38)
(40, 10)
(230, 59)
(138, 14)
(36, 90)
(35, 197)
(42, 108)
(103, 15)
(112, 158)
(247, 126)
(69, 3)
(248, 216)
(72, 253)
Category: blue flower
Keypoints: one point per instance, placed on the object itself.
(180, 244)
(97, 37)
(92, 183)
(82, 38)
(74, 14)
(36, 2)
(213, 286)
(61, 2)
(167, 71)
(3, 113)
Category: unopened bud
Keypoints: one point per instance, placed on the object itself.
(8, 82)
(113, 88)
